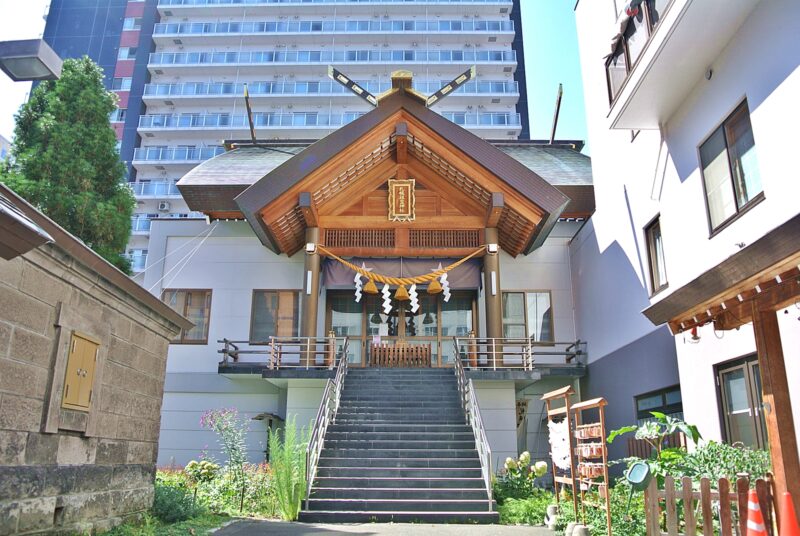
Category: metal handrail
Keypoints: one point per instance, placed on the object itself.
(326, 414)
(514, 353)
(469, 402)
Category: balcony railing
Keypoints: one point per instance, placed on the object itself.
(138, 262)
(271, 2)
(327, 27)
(301, 119)
(286, 352)
(519, 354)
(332, 56)
(155, 189)
(256, 89)
(189, 154)
(141, 224)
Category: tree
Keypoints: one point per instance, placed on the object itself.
(66, 163)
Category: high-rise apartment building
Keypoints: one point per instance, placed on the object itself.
(180, 67)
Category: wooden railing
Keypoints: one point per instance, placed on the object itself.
(400, 355)
(705, 511)
(516, 353)
(287, 352)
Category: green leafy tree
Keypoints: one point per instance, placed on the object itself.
(65, 160)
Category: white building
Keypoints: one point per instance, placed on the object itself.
(5, 148)
(697, 208)
(206, 51)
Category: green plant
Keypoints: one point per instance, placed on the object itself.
(288, 460)
(174, 503)
(515, 480)
(719, 460)
(528, 511)
(624, 521)
(65, 160)
(231, 431)
(202, 472)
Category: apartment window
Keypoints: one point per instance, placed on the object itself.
(132, 23)
(127, 53)
(730, 168)
(121, 84)
(528, 314)
(667, 401)
(118, 115)
(616, 70)
(741, 406)
(79, 378)
(275, 313)
(195, 305)
(655, 254)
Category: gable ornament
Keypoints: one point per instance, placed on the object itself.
(401, 200)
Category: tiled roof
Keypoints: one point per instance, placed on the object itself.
(558, 165)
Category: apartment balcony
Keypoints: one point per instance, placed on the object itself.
(155, 190)
(138, 261)
(227, 8)
(310, 124)
(283, 93)
(669, 37)
(492, 62)
(174, 155)
(315, 32)
(140, 225)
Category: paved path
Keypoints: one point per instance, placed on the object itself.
(281, 528)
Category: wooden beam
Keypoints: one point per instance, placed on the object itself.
(777, 403)
(496, 206)
(401, 139)
(307, 209)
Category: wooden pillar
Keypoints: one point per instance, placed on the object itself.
(491, 288)
(310, 301)
(777, 405)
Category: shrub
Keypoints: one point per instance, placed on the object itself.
(288, 460)
(719, 460)
(231, 430)
(529, 511)
(174, 503)
(623, 521)
(223, 494)
(515, 480)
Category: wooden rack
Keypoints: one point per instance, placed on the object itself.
(558, 414)
(592, 455)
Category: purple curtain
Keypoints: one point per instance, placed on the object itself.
(466, 276)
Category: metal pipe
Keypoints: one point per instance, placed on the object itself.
(555, 115)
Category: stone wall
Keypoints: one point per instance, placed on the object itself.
(66, 471)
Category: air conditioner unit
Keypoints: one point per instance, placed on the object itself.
(163, 206)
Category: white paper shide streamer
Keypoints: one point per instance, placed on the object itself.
(559, 444)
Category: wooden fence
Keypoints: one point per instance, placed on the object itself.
(640, 448)
(400, 355)
(722, 511)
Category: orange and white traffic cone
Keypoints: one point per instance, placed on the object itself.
(789, 525)
(755, 521)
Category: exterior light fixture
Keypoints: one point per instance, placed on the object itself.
(311, 248)
(28, 60)
(492, 249)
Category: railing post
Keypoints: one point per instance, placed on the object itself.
(494, 355)
(331, 355)
(272, 352)
(309, 357)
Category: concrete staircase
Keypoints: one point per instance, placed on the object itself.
(400, 450)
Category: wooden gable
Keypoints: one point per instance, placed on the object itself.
(340, 186)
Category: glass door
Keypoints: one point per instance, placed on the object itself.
(742, 411)
(345, 319)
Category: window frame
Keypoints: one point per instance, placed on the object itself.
(755, 200)
(652, 256)
(181, 339)
(525, 293)
(664, 406)
(298, 296)
(746, 363)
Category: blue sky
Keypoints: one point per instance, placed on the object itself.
(551, 56)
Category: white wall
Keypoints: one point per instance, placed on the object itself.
(498, 410)
(302, 401)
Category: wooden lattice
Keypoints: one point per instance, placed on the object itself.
(441, 238)
(360, 238)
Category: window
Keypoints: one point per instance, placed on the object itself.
(132, 23)
(275, 313)
(616, 71)
(121, 84)
(527, 314)
(667, 401)
(741, 406)
(79, 378)
(194, 305)
(730, 168)
(655, 255)
(118, 115)
(127, 53)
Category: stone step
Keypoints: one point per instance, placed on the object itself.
(398, 472)
(393, 443)
(371, 415)
(465, 435)
(416, 428)
(381, 396)
(398, 482)
(418, 494)
(397, 505)
(472, 462)
(338, 516)
(449, 411)
(401, 419)
(398, 453)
